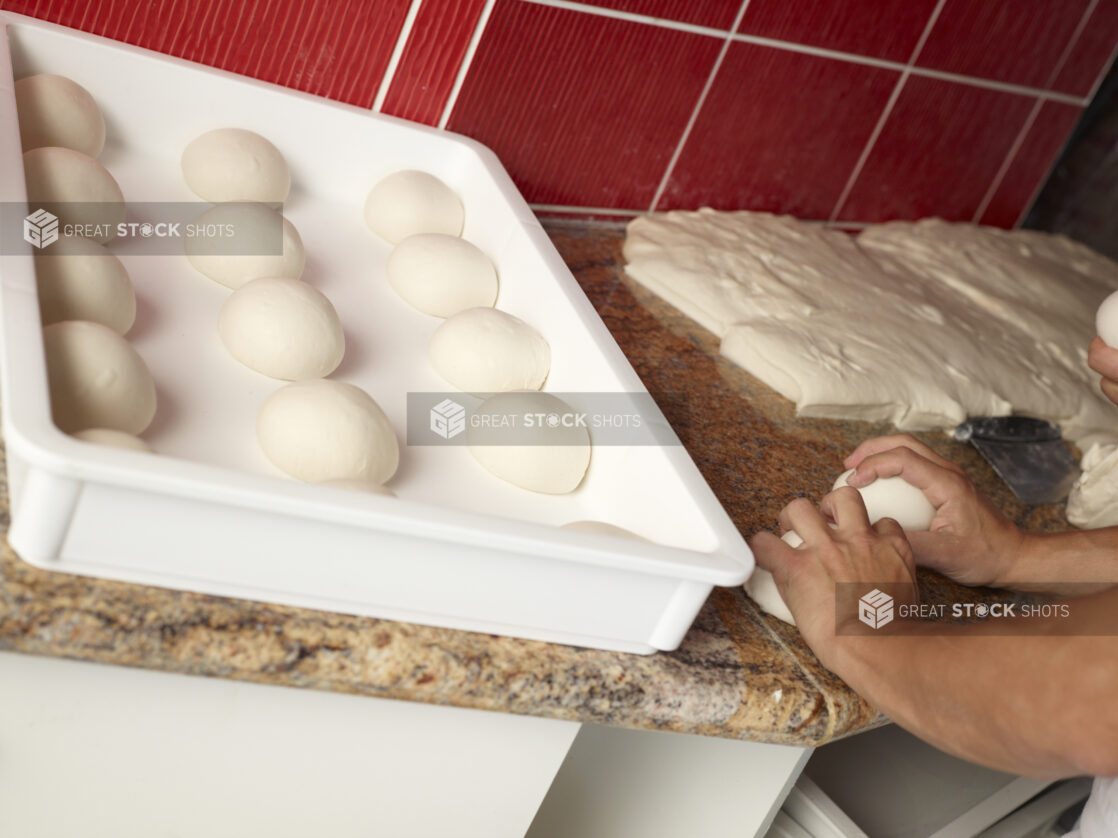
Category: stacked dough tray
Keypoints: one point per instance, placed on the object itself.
(457, 546)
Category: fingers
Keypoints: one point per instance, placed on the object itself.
(770, 552)
(1109, 389)
(1103, 359)
(881, 444)
(808, 522)
(939, 483)
(846, 508)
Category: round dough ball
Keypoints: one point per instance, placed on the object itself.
(232, 164)
(79, 279)
(97, 380)
(894, 497)
(282, 328)
(76, 188)
(762, 589)
(551, 460)
(1106, 321)
(263, 243)
(359, 486)
(441, 275)
(320, 430)
(602, 528)
(57, 111)
(484, 350)
(114, 439)
(411, 202)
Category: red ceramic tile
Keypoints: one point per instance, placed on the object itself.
(938, 152)
(582, 109)
(1031, 164)
(779, 131)
(1016, 41)
(1092, 51)
(335, 50)
(886, 29)
(431, 58)
(719, 14)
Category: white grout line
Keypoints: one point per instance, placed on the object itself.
(1023, 134)
(583, 210)
(397, 51)
(856, 172)
(670, 168)
(467, 60)
(821, 52)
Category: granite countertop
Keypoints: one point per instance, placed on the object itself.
(738, 674)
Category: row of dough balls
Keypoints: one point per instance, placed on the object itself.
(101, 390)
(314, 429)
(478, 348)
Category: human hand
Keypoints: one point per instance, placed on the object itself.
(1103, 359)
(839, 545)
(969, 539)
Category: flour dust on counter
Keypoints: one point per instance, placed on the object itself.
(919, 324)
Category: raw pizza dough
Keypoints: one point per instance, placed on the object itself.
(113, 439)
(282, 328)
(366, 486)
(78, 279)
(232, 164)
(264, 243)
(76, 188)
(97, 380)
(484, 350)
(1106, 321)
(441, 275)
(410, 202)
(57, 111)
(1093, 501)
(319, 430)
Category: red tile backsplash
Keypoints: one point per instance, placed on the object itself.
(589, 109)
(938, 152)
(886, 29)
(582, 109)
(779, 131)
(1030, 164)
(1094, 49)
(429, 63)
(1015, 41)
(341, 54)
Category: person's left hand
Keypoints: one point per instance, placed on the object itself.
(839, 545)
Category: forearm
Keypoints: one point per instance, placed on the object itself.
(1066, 563)
(1034, 703)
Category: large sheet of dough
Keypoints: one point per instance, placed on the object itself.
(921, 324)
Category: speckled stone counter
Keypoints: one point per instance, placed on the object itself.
(738, 674)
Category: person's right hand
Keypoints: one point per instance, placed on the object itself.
(969, 540)
(1103, 359)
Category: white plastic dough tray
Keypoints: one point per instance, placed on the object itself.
(458, 547)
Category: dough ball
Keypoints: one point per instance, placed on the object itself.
(57, 111)
(893, 497)
(231, 164)
(78, 279)
(319, 430)
(282, 328)
(76, 188)
(97, 380)
(762, 589)
(262, 243)
(602, 528)
(411, 202)
(1106, 321)
(551, 460)
(483, 350)
(114, 439)
(441, 275)
(359, 486)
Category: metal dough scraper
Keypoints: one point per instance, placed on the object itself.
(1028, 454)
